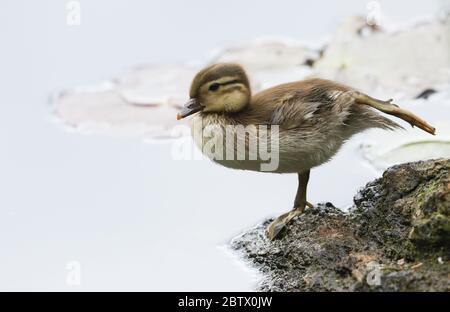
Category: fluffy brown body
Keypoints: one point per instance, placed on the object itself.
(314, 117)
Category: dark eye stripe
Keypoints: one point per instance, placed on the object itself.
(215, 86)
(231, 82)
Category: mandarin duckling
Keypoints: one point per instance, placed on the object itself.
(313, 118)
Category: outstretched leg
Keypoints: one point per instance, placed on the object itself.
(300, 204)
(389, 108)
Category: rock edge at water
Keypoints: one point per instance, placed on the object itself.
(396, 237)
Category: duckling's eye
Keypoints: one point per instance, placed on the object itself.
(214, 87)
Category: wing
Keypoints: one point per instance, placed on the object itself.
(301, 103)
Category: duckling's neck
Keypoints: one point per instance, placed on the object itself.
(218, 118)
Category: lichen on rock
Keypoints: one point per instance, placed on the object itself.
(394, 238)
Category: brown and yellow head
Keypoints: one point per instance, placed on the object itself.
(219, 88)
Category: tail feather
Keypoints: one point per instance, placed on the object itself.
(364, 117)
(382, 122)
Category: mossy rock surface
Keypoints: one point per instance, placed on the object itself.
(396, 237)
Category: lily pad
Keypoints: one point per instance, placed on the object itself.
(415, 151)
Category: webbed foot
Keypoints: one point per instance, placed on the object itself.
(275, 227)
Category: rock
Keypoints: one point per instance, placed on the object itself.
(396, 237)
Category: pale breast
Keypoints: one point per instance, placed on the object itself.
(260, 147)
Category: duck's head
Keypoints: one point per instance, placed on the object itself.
(219, 88)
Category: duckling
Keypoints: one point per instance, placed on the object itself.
(314, 117)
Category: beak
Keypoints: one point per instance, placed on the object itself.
(191, 107)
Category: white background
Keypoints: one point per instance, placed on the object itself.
(131, 216)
